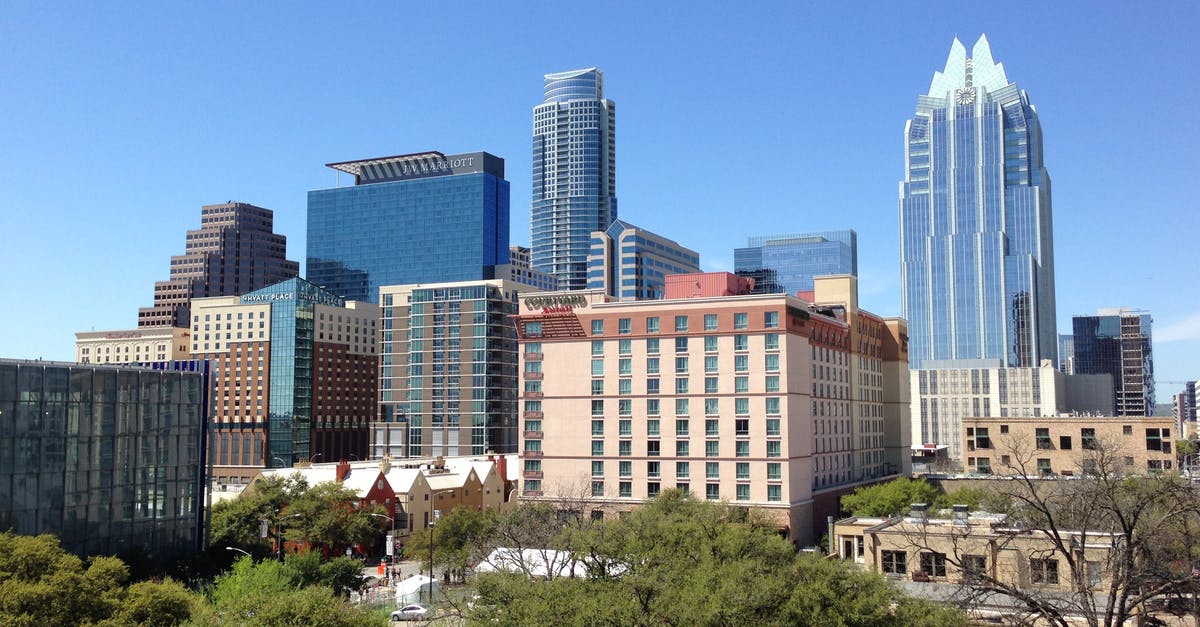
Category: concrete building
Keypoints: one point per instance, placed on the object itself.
(631, 263)
(234, 251)
(1117, 342)
(294, 376)
(418, 218)
(943, 397)
(956, 550)
(519, 270)
(133, 346)
(764, 400)
(574, 173)
(108, 459)
(788, 263)
(448, 369)
(976, 233)
(1065, 446)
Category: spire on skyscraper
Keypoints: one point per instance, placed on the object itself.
(961, 72)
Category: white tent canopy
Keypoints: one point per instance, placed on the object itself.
(415, 589)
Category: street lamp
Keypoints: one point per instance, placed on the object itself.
(243, 552)
(434, 514)
(279, 530)
(392, 537)
(281, 461)
(310, 459)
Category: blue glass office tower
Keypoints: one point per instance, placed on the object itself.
(1117, 342)
(977, 257)
(418, 218)
(787, 263)
(574, 174)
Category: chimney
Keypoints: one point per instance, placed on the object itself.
(502, 469)
(343, 471)
(439, 463)
(961, 514)
(918, 512)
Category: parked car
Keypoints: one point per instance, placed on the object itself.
(411, 612)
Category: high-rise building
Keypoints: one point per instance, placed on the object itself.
(574, 173)
(1066, 354)
(418, 218)
(295, 373)
(108, 459)
(448, 367)
(762, 400)
(234, 251)
(976, 246)
(632, 263)
(788, 263)
(1117, 342)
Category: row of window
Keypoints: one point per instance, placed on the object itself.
(652, 324)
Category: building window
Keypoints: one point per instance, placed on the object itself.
(774, 493)
(741, 448)
(710, 343)
(771, 319)
(741, 363)
(772, 341)
(597, 448)
(1043, 571)
(597, 488)
(710, 322)
(597, 327)
(681, 407)
(1064, 442)
(741, 427)
(774, 471)
(681, 324)
(652, 386)
(683, 470)
(597, 469)
(652, 489)
(710, 385)
(1043, 438)
(743, 492)
(597, 367)
(626, 489)
(624, 326)
(1158, 440)
(681, 448)
(1043, 466)
(933, 564)
(625, 469)
(712, 491)
(773, 448)
(653, 448)
(681, 365)
(652, 406)
(710, 364)
(625, 386)
(893, 562)
(741, 343)
(597, 387)
(652, 365)
(652, 324)
(598, 407)
(652, 346)
(625, 347)
(741, 406)
(597, 347)
(625, 448)
(1127, 429)
(772, 426)
(741, 320)
(652, 428)
(1087, 439)
(741, 385)
(712, 448)
(712, 470)
(772, 362)
(974, 566)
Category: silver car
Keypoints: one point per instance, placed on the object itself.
(411, 612)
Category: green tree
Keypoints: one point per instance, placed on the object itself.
(238, 521)
(457, 539)
(328, 517)
(681, 561)
(154, 604)
(269, 593)
(886, 499)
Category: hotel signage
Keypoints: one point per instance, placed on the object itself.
(556, 303)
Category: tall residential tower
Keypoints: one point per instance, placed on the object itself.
(977, 257)
(574, 173)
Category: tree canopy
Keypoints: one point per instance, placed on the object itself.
(681, 561)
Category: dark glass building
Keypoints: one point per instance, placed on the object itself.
(1117, 342)
(418, 218)
(976, 245)
(107, 458)
(788, 263)
(234, 251)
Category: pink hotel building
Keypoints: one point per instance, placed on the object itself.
(767, 401)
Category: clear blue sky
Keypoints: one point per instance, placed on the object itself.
(118, 121)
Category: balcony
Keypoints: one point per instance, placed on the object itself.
(532, 474)
(532, 454)
(532, 415)
(532, 435)
(532, 492)
(533, 376)
(533, 356)
(534, 395)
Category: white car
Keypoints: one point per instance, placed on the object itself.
(410, 612)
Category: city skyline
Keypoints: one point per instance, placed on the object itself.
(99, 100)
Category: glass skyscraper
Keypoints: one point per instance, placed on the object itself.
(1117, 342)
(787, 263)
(417, 218)
(574, 174)
(977, 256)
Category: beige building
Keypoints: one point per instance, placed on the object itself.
(294, 377)
(760, 400)
(133, 346)
(957, 549)
(1066, 445)
(943, 397)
